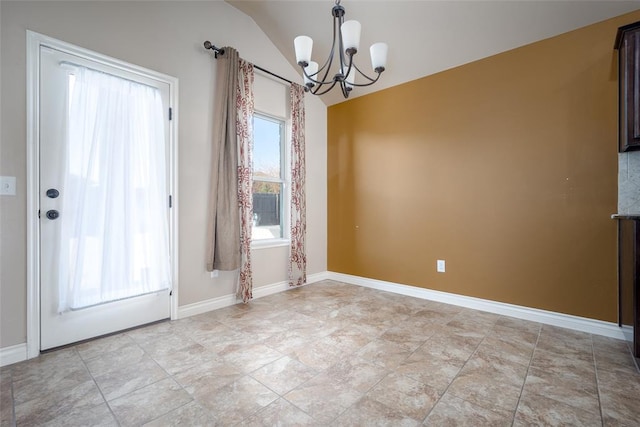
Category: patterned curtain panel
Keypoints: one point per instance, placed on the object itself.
(244, 124)
(298, 253)
(223, 225)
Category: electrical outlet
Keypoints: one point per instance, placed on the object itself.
(7, 185)
(214, 274)
(440, 267)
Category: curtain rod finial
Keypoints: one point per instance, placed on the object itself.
(216, 50)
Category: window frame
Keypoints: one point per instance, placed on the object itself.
(285, 180)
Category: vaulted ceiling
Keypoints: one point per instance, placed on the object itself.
(426, 37)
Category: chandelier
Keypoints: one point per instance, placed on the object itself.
(346, 41)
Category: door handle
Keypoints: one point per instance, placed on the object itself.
(53, 214)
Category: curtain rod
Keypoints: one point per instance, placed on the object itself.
(220, 51)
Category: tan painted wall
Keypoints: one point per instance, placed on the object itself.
(506, 168)
(167, 37)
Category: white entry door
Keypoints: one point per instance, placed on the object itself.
(104, 198)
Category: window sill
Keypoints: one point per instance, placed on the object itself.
(270, 243)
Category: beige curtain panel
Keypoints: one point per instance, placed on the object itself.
(223, 228)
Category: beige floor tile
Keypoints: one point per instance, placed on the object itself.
(126, 355)
(581, 393)
(252, 357)
(507, 350)
(435, 366)
(347, 340)
(409, 397)
(181, 359)
(99, 347)
(568, 364)
(619, 397)
(148, 403)
(534, 409)
(237, 400)
(49, 375)
(6, 398)
(371, 413)
(152, 332)
(324, 401)
(484, 390)
(451, 411)
(527, 335)
(358, 374)
(284, 374)
(280, 413)
(97, 416)
(459, 343)
(58, 403)
(497, 368)
(387, 354)
(565, 341)
(614, 355)
(191, 414)
(409, 332)
(124, 379)
(518, 324)
(620, 409)
(318, 354)
(214, 373)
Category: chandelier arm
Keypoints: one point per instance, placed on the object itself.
(366, 76)
(325, 91)
(314, 81)
(365, 84)
(345, 89)
(371, 80)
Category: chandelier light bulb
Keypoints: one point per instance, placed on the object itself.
(350, 78)
(303, 46)
(351, 36)
(379, 56)
(310, 70)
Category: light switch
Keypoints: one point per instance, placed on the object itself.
(7, 185)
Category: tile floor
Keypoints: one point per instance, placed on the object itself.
(330, 354)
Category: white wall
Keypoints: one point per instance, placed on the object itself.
(167, 37)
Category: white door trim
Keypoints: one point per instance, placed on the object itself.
(34, 41)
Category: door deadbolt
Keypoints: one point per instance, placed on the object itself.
(52, 193)
(53, 214)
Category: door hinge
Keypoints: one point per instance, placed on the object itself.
(38, 213)
(170, 201)
(170, 113)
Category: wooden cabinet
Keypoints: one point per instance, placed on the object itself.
(629, 276)
(628, 46)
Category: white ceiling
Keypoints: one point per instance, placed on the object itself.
(426, 37)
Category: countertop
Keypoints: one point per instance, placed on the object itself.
(634, 216)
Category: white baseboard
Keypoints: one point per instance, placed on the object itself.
(628, 332)
(200, 307)
(318, 277)
(13, 354)
(230, 299)
(583, 324)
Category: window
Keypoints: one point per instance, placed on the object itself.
(269, 178)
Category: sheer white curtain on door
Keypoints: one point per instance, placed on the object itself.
(114, 232)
